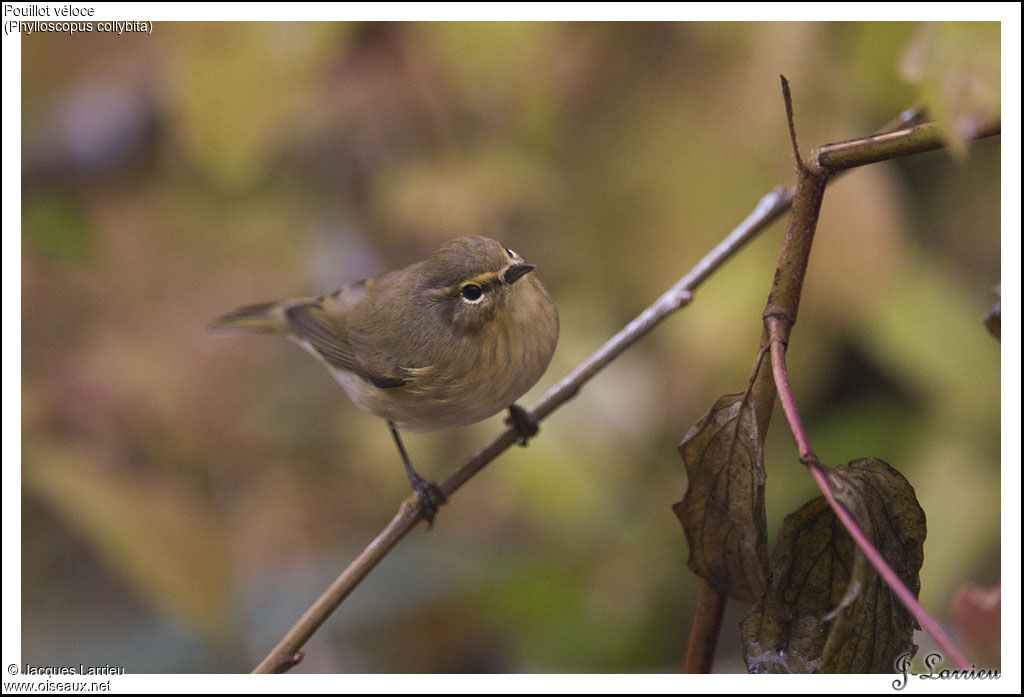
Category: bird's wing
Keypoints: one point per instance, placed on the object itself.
(328, 336)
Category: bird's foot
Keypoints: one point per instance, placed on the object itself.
(524, 424)
(431, 498)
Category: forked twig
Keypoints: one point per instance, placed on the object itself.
(781, 311)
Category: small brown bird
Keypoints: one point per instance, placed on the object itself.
(445, 342)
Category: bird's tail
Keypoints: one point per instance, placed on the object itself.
(265, 318)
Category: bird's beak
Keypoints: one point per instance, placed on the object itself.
(516, 271)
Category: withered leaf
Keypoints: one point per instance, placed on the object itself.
(722, 511)
(826, 609)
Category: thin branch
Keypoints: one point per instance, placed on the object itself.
(895, 583)
(707, 625)
(777, 330)
(808, 458)
(767, 211)
(784, 299)
(847, 154)
(787, 98)
(287, 653)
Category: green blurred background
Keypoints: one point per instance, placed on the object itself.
(186, 496)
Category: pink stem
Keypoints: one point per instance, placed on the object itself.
(924, 620)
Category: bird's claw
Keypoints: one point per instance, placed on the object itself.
(431, 498)
(524, 424)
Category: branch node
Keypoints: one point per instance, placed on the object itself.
(809, 459)
(782, 316)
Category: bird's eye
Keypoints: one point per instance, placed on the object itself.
(511, 254)
(471, 293)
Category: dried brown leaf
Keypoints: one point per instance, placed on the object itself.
(827, 610)
(722, 511)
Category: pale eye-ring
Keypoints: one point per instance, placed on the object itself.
(471, 293)
(511, 254)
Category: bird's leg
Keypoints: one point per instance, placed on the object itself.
(430, 493)
(525, 425)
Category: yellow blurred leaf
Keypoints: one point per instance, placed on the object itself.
(956, 65)
(152, 530)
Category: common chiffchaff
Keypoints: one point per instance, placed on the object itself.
(445, 342)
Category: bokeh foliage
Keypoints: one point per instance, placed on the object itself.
(185, 496)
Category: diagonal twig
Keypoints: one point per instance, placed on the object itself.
(287, 652)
